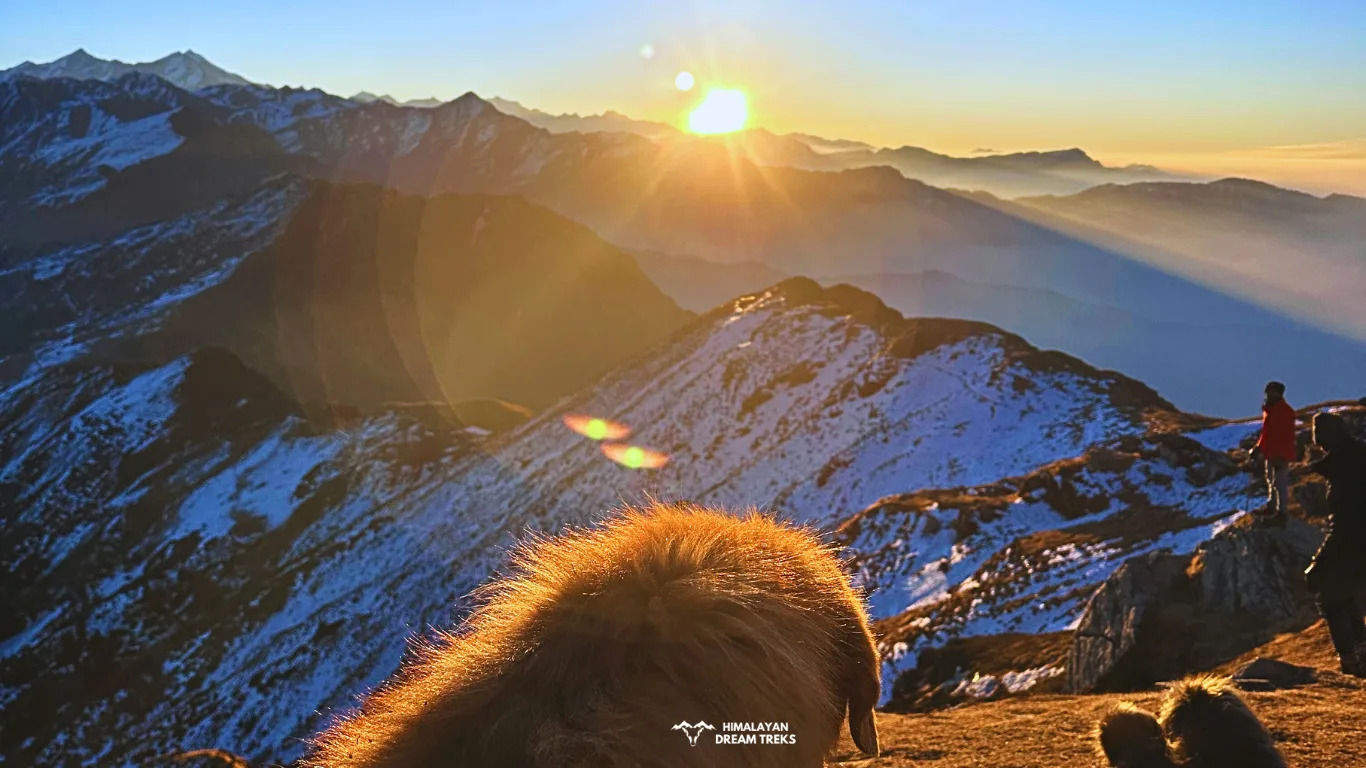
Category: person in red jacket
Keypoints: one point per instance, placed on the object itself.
(1277, 446)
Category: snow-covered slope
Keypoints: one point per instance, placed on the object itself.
(62, 138)
(64, 301)
(248, 571)
(274, 109)
(1024, 554)
(153, 516)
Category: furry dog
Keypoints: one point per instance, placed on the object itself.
(601, 641)
(1203, 723)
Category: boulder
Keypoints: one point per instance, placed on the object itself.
(1263, 674)
(1257, 571)
(1160, 616)
(1108, 629)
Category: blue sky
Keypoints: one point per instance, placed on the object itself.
(1129, 79)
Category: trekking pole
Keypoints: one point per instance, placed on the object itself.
(1252, 489)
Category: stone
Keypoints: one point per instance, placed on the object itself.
(1108, 628)
(1265, 674)
(1160, 616)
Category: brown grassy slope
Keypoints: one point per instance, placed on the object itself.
(1319, 725)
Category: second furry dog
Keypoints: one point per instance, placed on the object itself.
(1203, 723)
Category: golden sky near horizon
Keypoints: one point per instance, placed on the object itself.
(1316, 168)
(1267, 88)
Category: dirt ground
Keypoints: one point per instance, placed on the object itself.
(1323, 724)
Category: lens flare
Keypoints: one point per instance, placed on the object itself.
(595, 428)
(647, 51)
(685, 81)
(633, 456)
(722, 110)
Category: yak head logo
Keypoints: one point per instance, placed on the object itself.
(693, 730)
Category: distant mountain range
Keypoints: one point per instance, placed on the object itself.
(1005, 175)
(1010, 175)
(608, 121)
(698, 198)
(365, 97)
(185, 69)
(1303, 254)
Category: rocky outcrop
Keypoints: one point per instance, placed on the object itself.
(981, 668)
(1265, 674)
(1256, 571)
(1108, 630)
(1160, 616)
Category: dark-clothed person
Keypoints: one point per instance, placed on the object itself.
(1337, 575)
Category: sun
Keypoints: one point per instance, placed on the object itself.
(722, 110)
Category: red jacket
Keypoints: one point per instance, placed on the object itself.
(1278, 431)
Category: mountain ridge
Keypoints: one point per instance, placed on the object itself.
(186, 69)
(700, 199)
(751, 402)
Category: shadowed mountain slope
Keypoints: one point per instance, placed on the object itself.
(370, 296)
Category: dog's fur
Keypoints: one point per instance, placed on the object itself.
(601, 641)
(1203, 723)
(1129, 737)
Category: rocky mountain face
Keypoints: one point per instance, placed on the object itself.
(185, 69)
(1163, 615)
(1024, 554)
(63, 138)
(205, 558)
(1188, 580)
(95, 159)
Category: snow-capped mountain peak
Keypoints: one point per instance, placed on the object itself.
(187, 69)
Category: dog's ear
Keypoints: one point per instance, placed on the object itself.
(862, 680)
